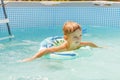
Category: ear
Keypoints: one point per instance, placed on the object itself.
(65, 37)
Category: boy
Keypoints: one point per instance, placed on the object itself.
(72, 36)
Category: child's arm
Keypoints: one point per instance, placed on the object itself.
(45, 51)
(89, 44)
(37, 55)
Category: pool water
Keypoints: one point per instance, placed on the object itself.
(93, 64)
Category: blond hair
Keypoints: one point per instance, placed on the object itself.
(70, 27)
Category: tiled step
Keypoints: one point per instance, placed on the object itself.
(4, 21)
(7, 37)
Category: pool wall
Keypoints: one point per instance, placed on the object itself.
(37, 14)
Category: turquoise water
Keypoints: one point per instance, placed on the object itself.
(31, 25)
(93, 64)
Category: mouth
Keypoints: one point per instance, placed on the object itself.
(77, 42)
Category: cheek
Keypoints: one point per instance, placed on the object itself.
(80, 37)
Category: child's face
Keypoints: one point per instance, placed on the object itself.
(75, 37)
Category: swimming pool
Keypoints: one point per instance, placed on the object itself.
(33, 22)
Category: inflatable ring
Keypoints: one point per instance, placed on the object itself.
(56, 41)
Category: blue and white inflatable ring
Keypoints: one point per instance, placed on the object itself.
(56, 41)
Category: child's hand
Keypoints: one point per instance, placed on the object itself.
(104, 47)
(19, 61)
(24, 60)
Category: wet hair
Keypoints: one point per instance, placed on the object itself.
(70, 27)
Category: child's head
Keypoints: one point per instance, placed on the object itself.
(70, 27)
(72, 32)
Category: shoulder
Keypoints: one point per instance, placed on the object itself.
(85, 43)
(88, 44)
